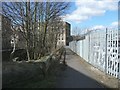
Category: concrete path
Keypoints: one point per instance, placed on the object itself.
(75, 74)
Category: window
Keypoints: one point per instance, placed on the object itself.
(59, 36)
(113, 55)
(62, 37)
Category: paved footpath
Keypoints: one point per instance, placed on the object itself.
(76, 75)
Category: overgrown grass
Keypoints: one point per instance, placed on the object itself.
(36, 80)
(29, 75)
(50, 79)
(48, 82)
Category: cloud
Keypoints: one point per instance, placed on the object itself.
(89, 8)
(114, 24)
(98, 27)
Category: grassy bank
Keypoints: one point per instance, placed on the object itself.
(33, 74)
(32, 77)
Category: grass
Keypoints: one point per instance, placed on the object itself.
(28, 75)
(48, 82)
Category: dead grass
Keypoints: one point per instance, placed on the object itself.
(29, 75)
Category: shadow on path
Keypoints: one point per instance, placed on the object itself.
(71, 78)
(74, 74)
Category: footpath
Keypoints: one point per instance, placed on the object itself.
(80, 74)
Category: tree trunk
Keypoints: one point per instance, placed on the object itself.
(12, 53)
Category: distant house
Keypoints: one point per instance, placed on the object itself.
(64, 34)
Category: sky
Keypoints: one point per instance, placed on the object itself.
(92, 14)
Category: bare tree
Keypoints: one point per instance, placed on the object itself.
(39, 22)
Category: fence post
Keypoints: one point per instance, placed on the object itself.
(89, 48)
(106, 51)
(118, 44)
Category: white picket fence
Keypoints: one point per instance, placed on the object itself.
(100, 48)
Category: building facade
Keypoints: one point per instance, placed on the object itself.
(64, 35)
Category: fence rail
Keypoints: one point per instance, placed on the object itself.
(101, 48)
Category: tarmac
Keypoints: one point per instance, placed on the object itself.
(80, 74)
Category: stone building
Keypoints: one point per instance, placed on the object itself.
(63, 37)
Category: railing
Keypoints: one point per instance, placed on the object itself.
(100, 48)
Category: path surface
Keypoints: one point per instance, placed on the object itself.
(76, 75)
